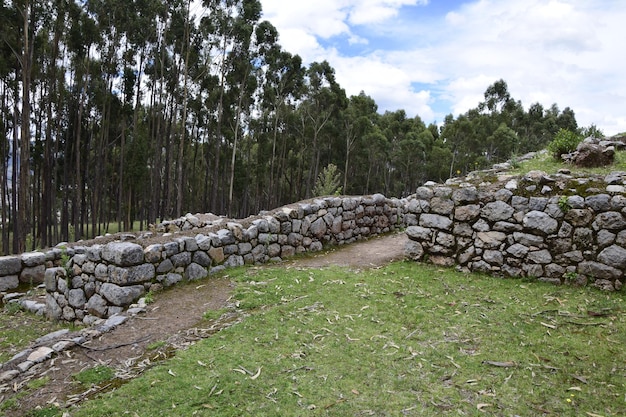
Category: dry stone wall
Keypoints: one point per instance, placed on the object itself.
(101, 281)
(559, 229)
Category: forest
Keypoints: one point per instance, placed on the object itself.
(114, 112)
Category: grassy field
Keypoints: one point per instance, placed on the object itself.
(406, 339)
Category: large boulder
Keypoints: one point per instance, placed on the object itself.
(591, 155)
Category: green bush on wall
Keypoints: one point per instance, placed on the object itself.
(564, 141)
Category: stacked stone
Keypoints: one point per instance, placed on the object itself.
(504, 232)
(27, 268)
(102, 280)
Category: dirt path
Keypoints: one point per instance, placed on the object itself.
(173, 321)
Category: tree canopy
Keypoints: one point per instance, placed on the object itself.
(139, 110)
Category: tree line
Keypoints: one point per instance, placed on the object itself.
(117, 111)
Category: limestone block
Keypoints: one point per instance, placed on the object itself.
(94, 253)
(169, 279)
(497, 211)
(132, 275)
(537, 203)
(171, 248)
(204, 242)
(424, 193)
(490, 240)
(465, 195)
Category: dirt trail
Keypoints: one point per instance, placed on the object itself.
(171, 322)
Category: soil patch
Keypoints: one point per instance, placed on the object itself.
(173, 321)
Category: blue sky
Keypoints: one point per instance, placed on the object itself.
(433, 57)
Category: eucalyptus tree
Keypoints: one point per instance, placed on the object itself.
(282, 86)
(359, 119)
(320, 107)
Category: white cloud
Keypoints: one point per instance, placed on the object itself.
(568, 52)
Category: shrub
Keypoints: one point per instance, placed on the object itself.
(564, 141)
(328, 182)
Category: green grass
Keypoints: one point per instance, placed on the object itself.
(406, 339)
(545, 162)
(95, 375)
(20, 328)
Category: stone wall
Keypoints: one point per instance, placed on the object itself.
(102, 280)
(27, 268)
(559, 229)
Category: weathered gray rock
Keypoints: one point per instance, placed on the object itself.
(467, 213)
(493, 257)
(123, 253)
(599, 202)
(10, 265)
(599, 270)
(319, 228)
(33, 275)
(419, 233)
(413, 250)
(195, 272)
(76, 298)
(611, 220)
(9, 282)
(53, 310)
(234, 261)
(169, 279)
(614, 256)
(153, 253)
(121, 296)
(490, 240)
(497, 211)
(540, 257)
(540, 222)
(131, 275)
(201, 258)
(31, 259)
(181, 259)
(97, 306)
(204, 242)
(436, 221)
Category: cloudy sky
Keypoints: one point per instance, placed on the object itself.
(436, 57)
